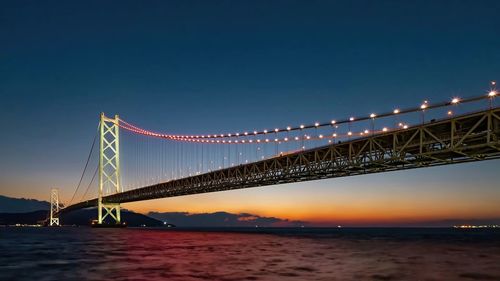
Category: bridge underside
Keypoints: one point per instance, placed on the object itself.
(466, 138)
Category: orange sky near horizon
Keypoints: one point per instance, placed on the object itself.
(429, 194)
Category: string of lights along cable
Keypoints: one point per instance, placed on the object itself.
(148, 157)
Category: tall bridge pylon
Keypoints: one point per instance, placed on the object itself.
(54, 207)
(109, 168)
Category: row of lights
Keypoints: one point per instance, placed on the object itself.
(423, 106)
(297, 138)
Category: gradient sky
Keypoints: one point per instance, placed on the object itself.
(209, 66)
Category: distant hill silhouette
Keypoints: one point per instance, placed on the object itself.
(85, 216)
(222, 219)
(80, 217)
(21, 205)
(22, 218)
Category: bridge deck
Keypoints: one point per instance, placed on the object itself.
(466, 138)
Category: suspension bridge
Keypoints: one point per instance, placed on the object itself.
(135, 164)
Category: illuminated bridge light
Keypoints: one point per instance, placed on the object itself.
(455, 100)
(373, 115)
(276, 130)
(316, 124)
(333, 122)
(349, 133)
(492, 93)
(384, 129)
(288, 128)
(302, 126)
(351, 119)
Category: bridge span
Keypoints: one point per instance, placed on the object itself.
(456, 139)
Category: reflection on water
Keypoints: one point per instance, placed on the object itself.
(299, 254)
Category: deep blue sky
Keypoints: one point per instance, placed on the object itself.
(205, 66)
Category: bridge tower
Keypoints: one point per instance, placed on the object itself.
(54, 207)
(109, 168)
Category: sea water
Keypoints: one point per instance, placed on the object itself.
(82, 253)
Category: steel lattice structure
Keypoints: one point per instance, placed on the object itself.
(54, 207)
(109, 168)
(466, 138)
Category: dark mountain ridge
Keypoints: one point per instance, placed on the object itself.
(21, 205)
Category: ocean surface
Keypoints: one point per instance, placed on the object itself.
(82, 253)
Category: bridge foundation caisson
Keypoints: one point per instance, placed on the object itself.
(109, 170)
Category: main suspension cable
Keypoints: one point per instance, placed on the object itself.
(86, 165)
